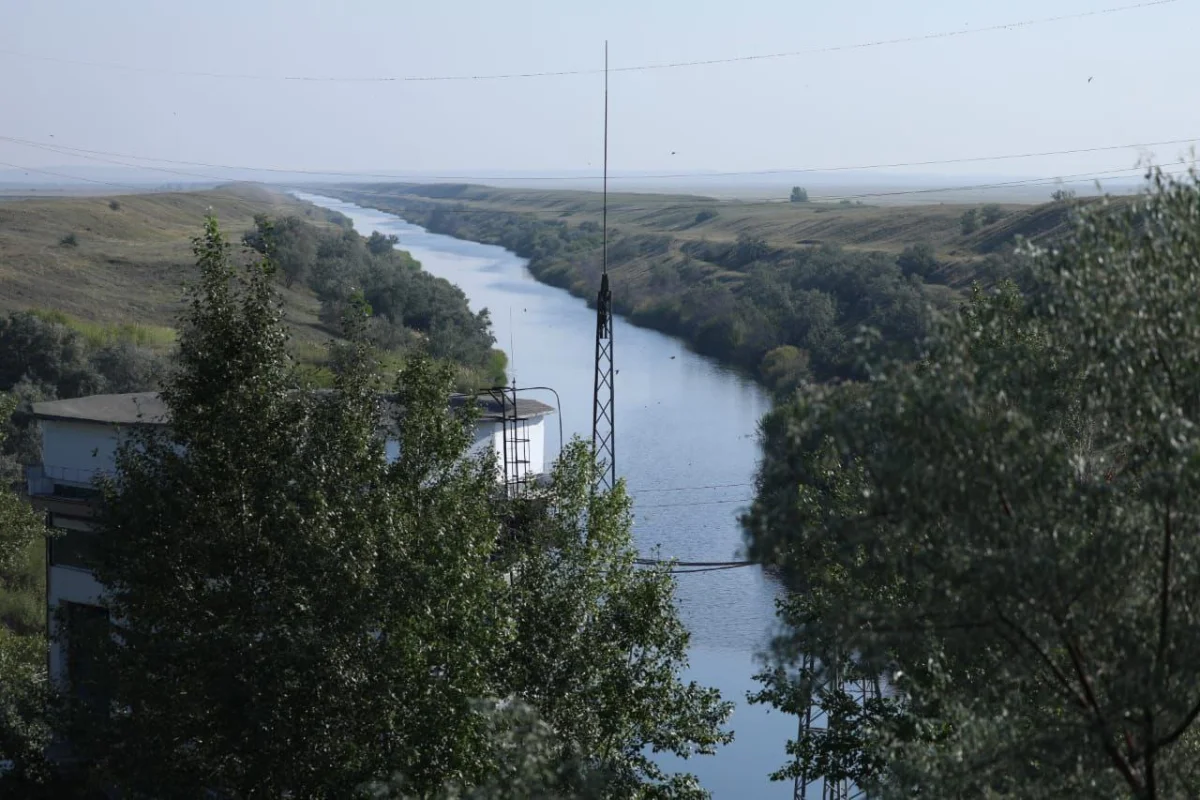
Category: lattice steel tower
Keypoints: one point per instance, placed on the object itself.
(604, 426)
(814, 721)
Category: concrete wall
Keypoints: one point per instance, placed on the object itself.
(72, 452)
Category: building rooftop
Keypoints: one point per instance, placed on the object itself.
(147, 408)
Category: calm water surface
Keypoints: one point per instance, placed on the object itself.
(685, 446)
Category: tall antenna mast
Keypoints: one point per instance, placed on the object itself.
(604, 427)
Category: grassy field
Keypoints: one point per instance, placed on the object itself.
(780, 223)
(126, 272)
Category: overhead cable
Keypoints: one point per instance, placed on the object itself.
(1006, 26)
(69, 149)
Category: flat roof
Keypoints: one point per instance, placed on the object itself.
(148, 408)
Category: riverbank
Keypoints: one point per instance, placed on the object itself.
(746, 283)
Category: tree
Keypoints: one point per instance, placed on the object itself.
(298, 614)
(785, 368)
(46, 352)
(379, 244)
(919, 259)
(991, 213)
(244, 661)
(528, 763)
(969, 221)
(799, 195)
(1062, 195)
(24, 728)
(598, 643)
(290, 242)
(126, 367)
(114, 205)
(1010, 553)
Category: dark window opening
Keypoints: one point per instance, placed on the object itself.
(85, 627)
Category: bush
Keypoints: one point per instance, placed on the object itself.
(1062, 195)
(799, 195)
(70, 240)
(705, 216)
(785, 368)
(918, 259)
(115, 205)
(992, 213)
(969, 221)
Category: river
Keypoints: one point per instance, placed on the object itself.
(686, 447)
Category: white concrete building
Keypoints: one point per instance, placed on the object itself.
(80, 438)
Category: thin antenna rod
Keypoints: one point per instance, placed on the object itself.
(512, 347)
(604, 200)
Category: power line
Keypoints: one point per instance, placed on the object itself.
(691, 488)
(697, 503)
(69, 150)
(1007, 26)
(654, 562)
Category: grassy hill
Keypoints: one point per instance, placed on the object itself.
(777, 288)
(132, 255)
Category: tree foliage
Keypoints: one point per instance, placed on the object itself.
(411, 309)
(24, 730)
(970, 221)
(999, 531)
(736, 301)
(799, 195)
(298, 615)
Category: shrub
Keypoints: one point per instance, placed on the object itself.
(705, 216)
(799, 195)
(70, 240)
(992, 213)
(969, 221)
(115, 205)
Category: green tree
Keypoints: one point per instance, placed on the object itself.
(969, 221)
(299, 614)
(379, 244)
(991, 213)
(46, 352)
(785, 368)
(290, 242)
(24, 727)
(598, 643)
(528, 763)
(919, 259)
(799, 195)
(1010, 554)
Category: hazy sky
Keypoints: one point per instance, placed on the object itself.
(988, 93)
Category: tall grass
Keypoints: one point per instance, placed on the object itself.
(99, 334)
(23, 592)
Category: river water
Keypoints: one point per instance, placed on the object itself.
(686, 447)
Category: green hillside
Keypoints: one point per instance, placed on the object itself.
(777, 288)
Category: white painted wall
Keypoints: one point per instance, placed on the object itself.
(491, 435)
(72, 452)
